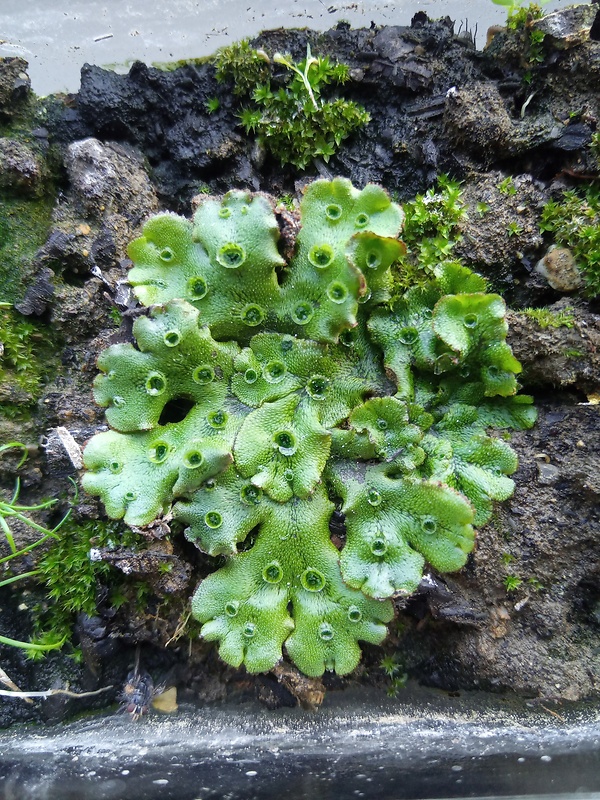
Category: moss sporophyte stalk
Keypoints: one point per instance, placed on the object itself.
(312, 386)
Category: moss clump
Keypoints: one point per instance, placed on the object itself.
(546, 318)
(17, 350)
(26, 205)
(431, 231)
(246, 67)
(574, 222)
(27, 356)
(20, 369)
(289, 112)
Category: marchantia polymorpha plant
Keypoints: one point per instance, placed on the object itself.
(312, 386)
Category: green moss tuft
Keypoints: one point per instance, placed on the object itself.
(289, 113)
(574, 222)
(27, 356)
(72, 579)
(25, 218)
(244, 66)
(430, 232)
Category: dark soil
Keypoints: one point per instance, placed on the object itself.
(128, 145)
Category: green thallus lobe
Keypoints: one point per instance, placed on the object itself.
(308, 387)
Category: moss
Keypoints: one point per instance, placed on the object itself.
(507, 187)
(16, 333)
(114, 315)
(394, 670)
(520, 20)
(171, 66)
(24, 117)
(512, 583)
(244, 66)
(212, 105)
(514, 229)
(72, 579)
(546, 318)
(431, 231)
(535, 584)
(28, 354)
(289, 113)
(25, 220)
(24, 226)
(287, 201)
(519, 15)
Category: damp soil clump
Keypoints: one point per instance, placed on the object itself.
(516, 127)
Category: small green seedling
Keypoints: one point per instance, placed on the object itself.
(512, 583)
(507, 186)
(514, 228)
(213, 104)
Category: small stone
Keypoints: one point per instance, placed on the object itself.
(573, 137)
(560, 270)
(492, 31)
(547, 474)
(99, 171)
(499, 619)
(391, 43)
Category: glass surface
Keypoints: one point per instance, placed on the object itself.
(57, 38)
